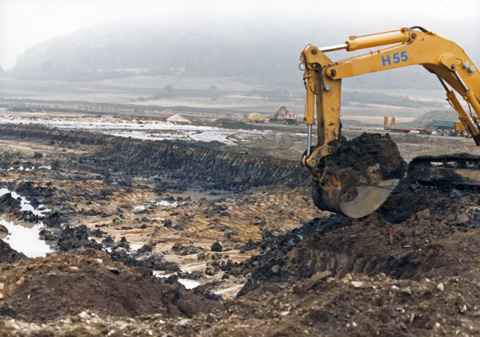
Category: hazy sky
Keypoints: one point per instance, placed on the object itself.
(24, 23)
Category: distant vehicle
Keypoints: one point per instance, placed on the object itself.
(392, 127)
(255, 117)
(445, 128)
(284, 116)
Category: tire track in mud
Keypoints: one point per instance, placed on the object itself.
(210, 165)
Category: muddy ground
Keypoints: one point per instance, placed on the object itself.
(182, 238)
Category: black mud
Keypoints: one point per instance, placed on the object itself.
(209, 165)
(434, 233)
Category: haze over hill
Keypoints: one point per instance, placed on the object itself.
(158, 48)
(244, 50)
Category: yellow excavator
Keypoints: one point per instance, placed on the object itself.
(357, 184)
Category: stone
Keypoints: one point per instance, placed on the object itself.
(216, 247)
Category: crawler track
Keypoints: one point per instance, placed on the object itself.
(446, 171)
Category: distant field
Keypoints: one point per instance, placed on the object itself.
(227, 94)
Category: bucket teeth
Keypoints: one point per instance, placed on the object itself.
(351, 196)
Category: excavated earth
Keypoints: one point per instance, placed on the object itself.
(179, 238)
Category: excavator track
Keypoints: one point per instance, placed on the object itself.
(460, 171)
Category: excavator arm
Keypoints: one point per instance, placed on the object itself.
(323, 77)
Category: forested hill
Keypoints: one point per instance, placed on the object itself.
(118, 50)
(252, 51)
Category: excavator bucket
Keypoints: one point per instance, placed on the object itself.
(358, 177)
(353, 195)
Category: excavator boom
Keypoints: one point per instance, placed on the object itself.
(369, 186)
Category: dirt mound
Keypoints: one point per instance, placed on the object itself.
(233, 124)
(178, 119)
(433, 234)
(426, 120)
(47, 288)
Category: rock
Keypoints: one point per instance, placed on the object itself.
(3, 229)
(461, 304)
(357, 284)
(7, 311)
(47, 235)
(146, 248)
(321, 275)
(190, 250)
(20, 281)
(8, 204)
(275, 269)
(84, 315)
(157, 262)
(168, 223)
(177, 247)
(216, 247)
(35, 203)
(462, 218)
(179, 227)
(424, 215)
(440, 286)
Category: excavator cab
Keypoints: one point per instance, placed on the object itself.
(355, 177)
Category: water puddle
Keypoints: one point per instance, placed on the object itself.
(25, 238)
(166, 203)
(145, 130)
(189, 284)
(22, 168)
(25, 204)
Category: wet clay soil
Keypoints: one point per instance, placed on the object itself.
(268, 262)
